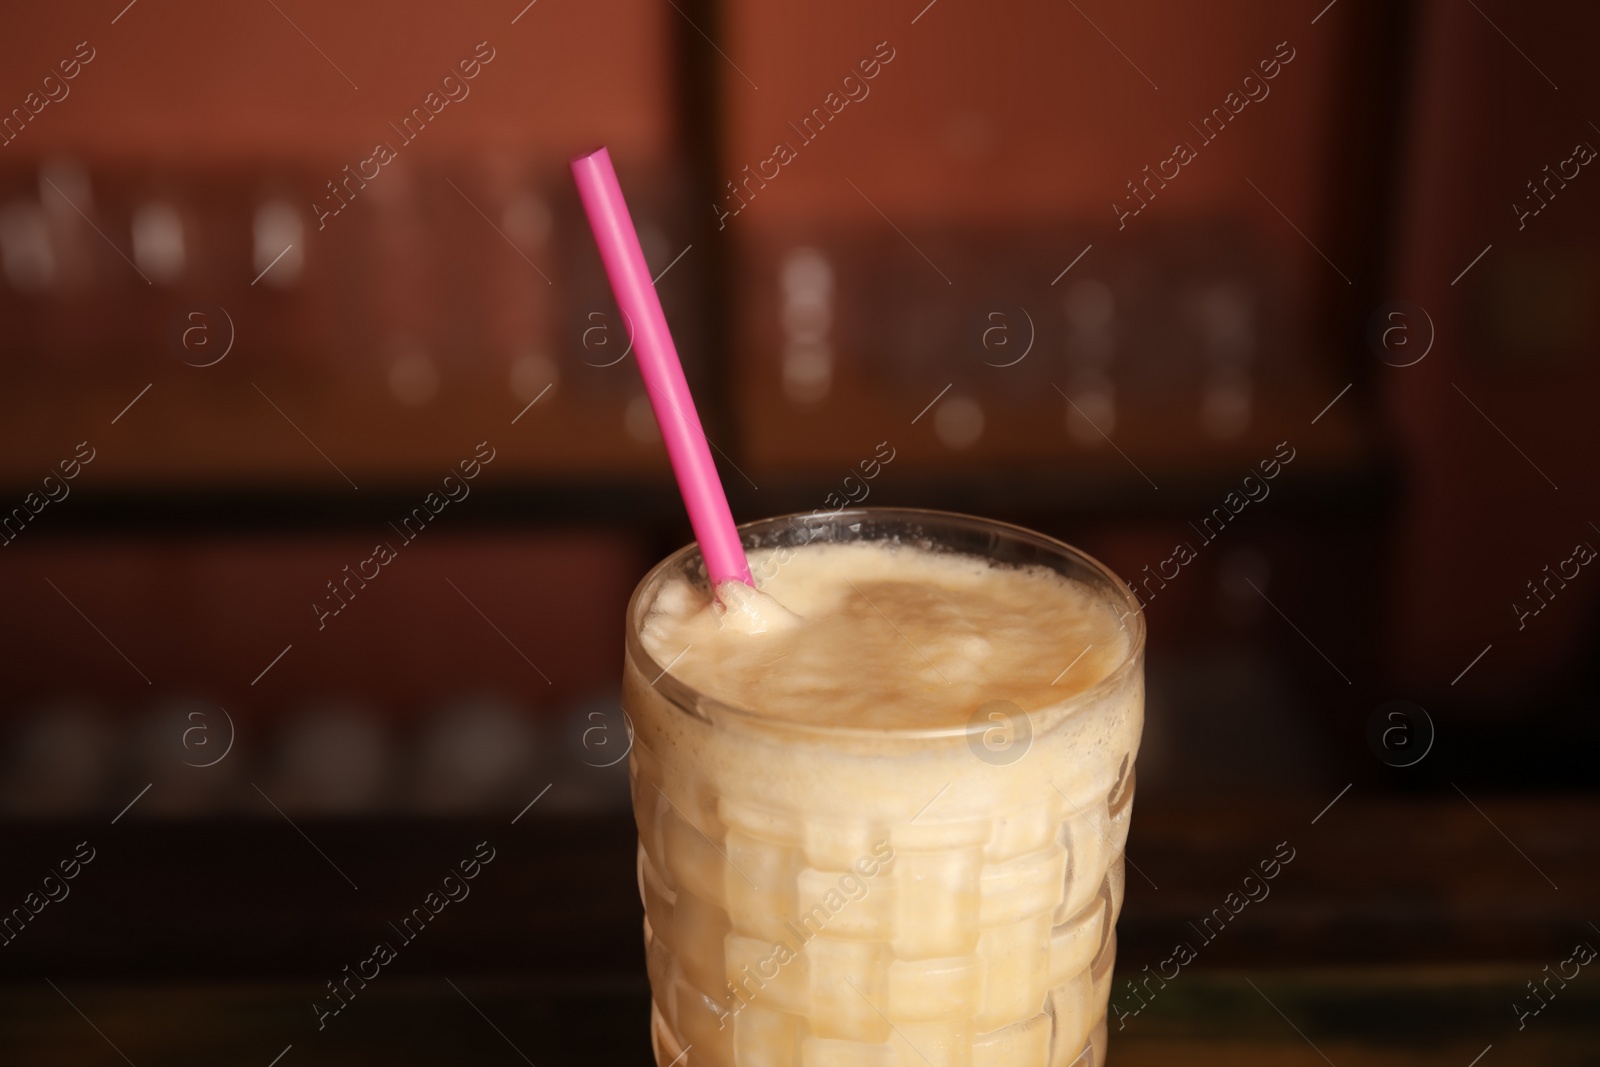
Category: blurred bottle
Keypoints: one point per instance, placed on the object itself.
(805, 317)
(588, 768)
(188, 750)
(475, 755)
(159, 242)
(1223, 316)
(331, 760)
(60, 762)
(1090, 309)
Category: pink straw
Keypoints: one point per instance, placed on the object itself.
(663, 374)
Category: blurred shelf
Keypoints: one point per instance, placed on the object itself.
(1375, 882)
(457, 305)
(204, 617)
(1359, 483)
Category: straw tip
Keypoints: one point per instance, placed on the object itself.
(593, 153)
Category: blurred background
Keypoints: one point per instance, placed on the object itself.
(284, 283)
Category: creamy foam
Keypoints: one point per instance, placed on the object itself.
(887, 635)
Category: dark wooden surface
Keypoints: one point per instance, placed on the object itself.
(1267, 1016)
(1402, 932)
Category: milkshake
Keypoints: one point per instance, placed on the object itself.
(882, 797)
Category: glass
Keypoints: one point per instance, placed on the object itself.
(819, 895)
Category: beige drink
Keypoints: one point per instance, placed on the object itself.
(882, 804)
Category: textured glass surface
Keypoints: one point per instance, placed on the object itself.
(832, 897)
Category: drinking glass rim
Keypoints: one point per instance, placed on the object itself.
(688, 700)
